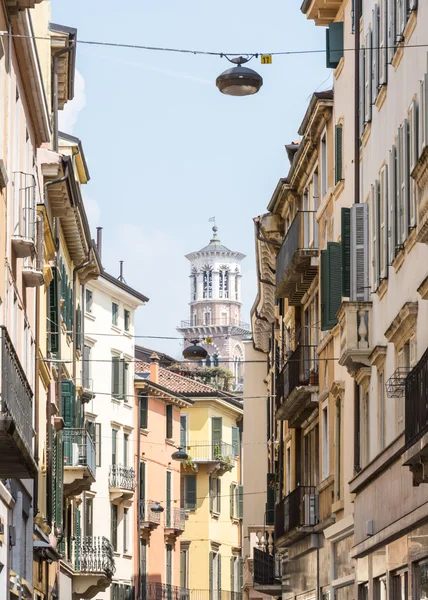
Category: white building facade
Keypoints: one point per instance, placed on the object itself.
(215, 306)
(108, 377)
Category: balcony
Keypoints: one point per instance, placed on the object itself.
(355, 323)
(323, 12)
(162, 591)
(16, 416)
(267, 577)
(296, 515)
(416, 421)
(94, 567)
(297, 260)
(175, 519)
(79, 461)
(33, 267)
(24, 218)
(121, 482)
(148, 519)
(217, 456)
(297, 386)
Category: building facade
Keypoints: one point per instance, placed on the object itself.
(215, 306)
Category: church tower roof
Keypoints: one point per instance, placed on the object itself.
(215, 246)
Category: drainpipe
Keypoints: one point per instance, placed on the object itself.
(75, 270)
(137, 503)
(55, 91)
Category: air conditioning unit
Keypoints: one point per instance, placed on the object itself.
(311, 511)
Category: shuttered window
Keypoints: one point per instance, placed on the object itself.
(401, 19)
(331, 284)
(119, 378)
(169, 431)
(368, 78)
(362, 107)
(68, 392)
(190, 492)
(383, 222)
(338, 153)
(215, 494)
(98, 444)
(423, 115)
(374, 206)
(392, 209)
(235, 440)
(383, 43)
(413, 157)
(144, 410)
(53, 313)
(346, 251)
(404, 171)
(168, 499)
(391, 14)
(375, 53)
(113, 526)
(334, 45)
(270, 499)
(79, 328)
(359, 253)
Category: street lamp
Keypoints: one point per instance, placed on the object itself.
(239, 80)
(181, 455)
(194, 352)
(157, 508)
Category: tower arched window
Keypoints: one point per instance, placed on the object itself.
(194, 287)
(208, 361)
(208, 283)
(236, 287)
(215, 360)
(223, 283)
(207, 317)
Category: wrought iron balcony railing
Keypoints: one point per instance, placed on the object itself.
(79, 449)
(147, 516)
(267, 568)
(298, 509)
(94, 555)
(162, 591)
(24, 217)
(121, 477)
(416, 403)
(210, 451)
(175, 518)
(16, 394)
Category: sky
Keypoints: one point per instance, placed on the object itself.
(166, 150)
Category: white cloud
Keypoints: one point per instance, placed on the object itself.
(68, 117)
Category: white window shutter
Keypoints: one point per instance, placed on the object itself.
(383, 42)
(399, 189)
(401, 19)
(405, 174)
(423, 115)
(413, 157)
(392, 210)
(362, 91)
(359, 253)
(374, 232)
(368, 78)
(413, 5)
(375, 53)
(383, 222)
(391, 12)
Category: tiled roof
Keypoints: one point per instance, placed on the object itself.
(176, 383)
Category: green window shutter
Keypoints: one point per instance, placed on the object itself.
(190, 492)
(142, 482)
(211, 492)
(144, 405)
(168, 498)
(211, 568)
(240, 501)
(346, 251)
(53, 327)
(98, 444)
(338, 153)
(115, 370)
(232, 575)
(114, 446)
(217, 426)
(334, 44)
(270, 500)
(232, 498)
(183, 431)
(124, 381)
(169, 431)
(219, 571)
(331, 284)
(68, 403)
(58, 479)
(78, 538)
(235, 440)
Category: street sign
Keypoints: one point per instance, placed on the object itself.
(209, 340)
(266, 59)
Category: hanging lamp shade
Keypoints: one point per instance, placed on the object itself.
(239, 81)
(180, 455)
(157, 508)
(195, 352)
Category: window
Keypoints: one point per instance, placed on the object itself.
(363, 591)
(224, 283)
(188, 492)
(194, 287)
(98, 444)
(208, 283)
(338, 453)
(400, 586)
(365, 425)
(323, 166)
(169, 432)
(127, 319)
(114, 313)
(288, 471)
(119, 378)
(216, 433)
(168, 564)
(168, 516)
(403, 360)
(379, 588)
(125, 449)
(235, 440)
(325, 444)
(215, 575)
(207, 317)
(184, 568)
(215, 494)
(237, 286)
(89, 512)
(125, 530)
(421, 580)
(144, 410)
(331, 284)
(89, 299)
(113, 526)
(236, 501)
(334, 44)
(52, 313)
(114, 446)
(184, 430)
(143, 562)
(86, 367)
(142, 490)
(338, 153)
(381, 411)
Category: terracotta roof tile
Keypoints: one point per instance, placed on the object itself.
(175, 382)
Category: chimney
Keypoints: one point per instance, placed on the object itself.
(154, 368)
(99, 241)
(121, 272)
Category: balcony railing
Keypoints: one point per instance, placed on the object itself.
(175, 518)
(79, 449)
(267, 568)
(121, 477)
(24, 217)
(162, 591)
(147, 516)
(220, 322)
(94, 555)
(210, 451)
(416, 402)
(298, 509)
(294, 267)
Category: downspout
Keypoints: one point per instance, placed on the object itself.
(55, 91)
(75, 270)
(137, 503)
